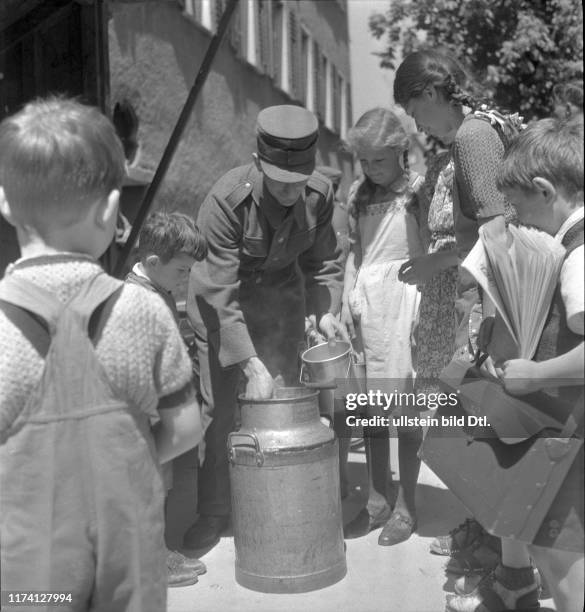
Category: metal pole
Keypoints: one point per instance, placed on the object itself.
(176, 135)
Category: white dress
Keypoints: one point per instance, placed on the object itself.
(385, 307)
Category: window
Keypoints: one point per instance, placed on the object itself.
(252, 26)
(202, 11)
(193, 8)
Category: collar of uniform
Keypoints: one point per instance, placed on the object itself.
(275, 213)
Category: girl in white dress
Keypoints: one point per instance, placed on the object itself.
(381, 311)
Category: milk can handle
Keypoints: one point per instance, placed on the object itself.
(232, 447)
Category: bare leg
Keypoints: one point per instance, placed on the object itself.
(403, 520)
(563, 572)
(409, 441)
(377, 447)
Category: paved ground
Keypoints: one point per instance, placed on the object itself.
(402, 578)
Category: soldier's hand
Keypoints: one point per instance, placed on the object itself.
(332, 328)
(260, 383)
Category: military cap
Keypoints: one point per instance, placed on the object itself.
(333, 174)
(287, 142)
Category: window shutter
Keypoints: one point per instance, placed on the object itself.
(317, 80)
(322, 87)
(277, 41)
(264, 21)
(303, 63)
(348, 107)
(237, 30)
(295, 55)
(218, 9)
(336, 101)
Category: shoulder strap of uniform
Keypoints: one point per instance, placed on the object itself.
(319, 183)
(239, 193)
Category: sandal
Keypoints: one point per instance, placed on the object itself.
(493, 596)
(365, 522)
(457, 539)
(398, 529)
(480, 558)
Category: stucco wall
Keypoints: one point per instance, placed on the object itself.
(155, 52)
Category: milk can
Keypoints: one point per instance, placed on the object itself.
(286, 507)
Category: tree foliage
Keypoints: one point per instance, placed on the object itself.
(517, 50)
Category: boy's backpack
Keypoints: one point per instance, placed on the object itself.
(508, 126)
(65, 335)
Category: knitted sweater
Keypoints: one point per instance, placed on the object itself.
(140, 348)
(477, 153)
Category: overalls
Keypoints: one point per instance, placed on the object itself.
(81, 498)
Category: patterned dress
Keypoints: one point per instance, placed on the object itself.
(437, 324)
(385, 307)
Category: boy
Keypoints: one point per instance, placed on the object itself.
(86, 363)
(542, 175)
(169, 244)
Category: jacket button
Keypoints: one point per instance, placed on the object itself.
(280, 240)
(246, 184)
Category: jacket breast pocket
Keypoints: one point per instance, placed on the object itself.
(254, 247)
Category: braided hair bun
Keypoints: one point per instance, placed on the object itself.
(425, 68)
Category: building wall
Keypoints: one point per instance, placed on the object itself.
(155, 50)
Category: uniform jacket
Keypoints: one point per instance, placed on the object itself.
(252, 239)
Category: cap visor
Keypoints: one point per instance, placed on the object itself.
(287, 175)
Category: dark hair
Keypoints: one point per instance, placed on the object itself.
(170, 234)
(550, 148)
(428, 67)
(57, 157)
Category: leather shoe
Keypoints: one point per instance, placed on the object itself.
(205, 531)
(191, 563)
(398, 529)
(177, 574)
(365, 522)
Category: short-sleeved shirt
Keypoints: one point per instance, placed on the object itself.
(140, 347)
(477, 153)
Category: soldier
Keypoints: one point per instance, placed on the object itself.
(272, 259)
